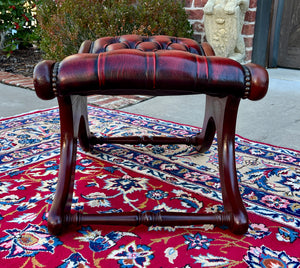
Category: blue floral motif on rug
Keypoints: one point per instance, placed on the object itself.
(142, 178)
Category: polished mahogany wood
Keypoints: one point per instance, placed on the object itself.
(159, 65)
(150, 218)
(145, 140)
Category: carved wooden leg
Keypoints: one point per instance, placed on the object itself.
(225, 114)
(64, 191)
(220, 115)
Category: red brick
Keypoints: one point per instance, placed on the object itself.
(250, 16)
(195, 14)
(248, 55)
(106, 99)
(188, 3)
(11, 79)
(248, 41)
(6, 75)
(135, 97)
(25, 83)
(253, 3)
(200, 3)
(198, 27)
(248, 29)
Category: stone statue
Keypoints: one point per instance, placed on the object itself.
(223, 22)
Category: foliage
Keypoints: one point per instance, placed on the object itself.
(65, 24)
(17, 24)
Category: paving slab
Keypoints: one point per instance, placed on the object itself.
(17, 100)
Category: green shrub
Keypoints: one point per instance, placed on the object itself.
(17, 24)
(65, 24)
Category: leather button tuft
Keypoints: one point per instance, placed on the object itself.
(148, 46)
(146, 43)
(176, 46)
(116, 46)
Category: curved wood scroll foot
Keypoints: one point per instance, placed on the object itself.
(224, 111)
(71, 120)
(220, 117)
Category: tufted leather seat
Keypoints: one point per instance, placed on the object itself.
(143, 43)
(157, 65)
(116, 64)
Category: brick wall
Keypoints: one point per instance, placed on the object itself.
(194, 8)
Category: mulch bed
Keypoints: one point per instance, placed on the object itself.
(21, 61)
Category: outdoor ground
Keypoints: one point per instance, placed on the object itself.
(21, 61)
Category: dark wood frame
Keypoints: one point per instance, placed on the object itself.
(220, 117)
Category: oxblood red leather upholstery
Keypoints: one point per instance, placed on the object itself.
(157, 65)
(143, 43)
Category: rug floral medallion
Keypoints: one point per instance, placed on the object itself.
(142, 178)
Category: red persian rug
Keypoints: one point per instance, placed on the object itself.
(139, 178)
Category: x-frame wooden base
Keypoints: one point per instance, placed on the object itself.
(220, 118)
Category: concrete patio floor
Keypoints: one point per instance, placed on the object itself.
(274, 119)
